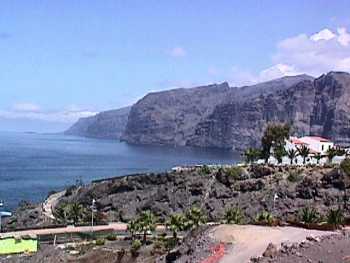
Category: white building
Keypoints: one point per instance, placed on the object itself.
(314, 143)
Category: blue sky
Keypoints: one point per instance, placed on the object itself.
(61, 60)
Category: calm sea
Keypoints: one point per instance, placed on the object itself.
(31, 165)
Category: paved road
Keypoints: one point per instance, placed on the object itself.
(68, 229)
(72, 229)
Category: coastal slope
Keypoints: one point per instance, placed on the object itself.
(104, 125)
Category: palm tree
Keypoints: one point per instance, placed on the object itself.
(176, 223)
(195, 217)
(279, 152)
(76, 212)
(317, 157)
(292, 154)
(147, 222)
(331, 153)
(133, 228)
(304, 152)
(251, 155)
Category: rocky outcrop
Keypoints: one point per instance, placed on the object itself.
(175, 192)
(106, 125)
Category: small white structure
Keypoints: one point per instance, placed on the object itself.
(316, 145)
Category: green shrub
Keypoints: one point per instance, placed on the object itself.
(205, 169)
(100, 242)
(309, 215)
(264, 218)
(111, 237)
(234, 216)
(234, 172)
(294, 176)
(335, 217)
(345, 166)
(135, 247)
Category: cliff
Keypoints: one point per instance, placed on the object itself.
(235, 118)
(107, 125)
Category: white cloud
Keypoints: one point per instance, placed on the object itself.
(316, 54)
(313, 54)
(35, 112)
(324, 34)
(178, 52)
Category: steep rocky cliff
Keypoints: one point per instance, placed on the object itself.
(234, 118)
(107, 124)
(174, 117)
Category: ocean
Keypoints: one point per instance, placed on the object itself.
(32, 165)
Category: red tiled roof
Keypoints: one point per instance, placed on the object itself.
(297, 141)
(320, 139)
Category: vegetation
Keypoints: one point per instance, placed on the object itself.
(194, 218)
(205, 169)
(345, 169)
(335, 217)
(265, 218)
(146, 223)
(135, 247)
(331, 153)
(234, 172)
(274, 137)
(292, 154)
(73, 213)
(251, 155)
(294, 176)
(100, 242)
(279, 152)
(176, 224)
(304, 152)
(111, 237)
(309, 215)
(318, 157)
(234, 216)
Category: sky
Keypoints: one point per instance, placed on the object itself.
(61, 60)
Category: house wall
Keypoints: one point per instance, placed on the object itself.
(12, 246)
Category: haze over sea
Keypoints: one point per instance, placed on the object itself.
(32, 165)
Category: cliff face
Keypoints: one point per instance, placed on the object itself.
(235, 118)
(107, 124)
(170, 117)
(212, 116)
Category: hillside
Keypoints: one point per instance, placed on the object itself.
(234, 118)
(107, 125)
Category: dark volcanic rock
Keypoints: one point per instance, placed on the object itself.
(224, 117)
(168, 193)
(107, 125)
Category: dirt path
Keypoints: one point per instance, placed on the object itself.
(251, 241)
(51, 202)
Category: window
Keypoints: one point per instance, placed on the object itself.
(322, 147)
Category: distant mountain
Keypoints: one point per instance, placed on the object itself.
(104, 125)
(199, 116)
(230, 117)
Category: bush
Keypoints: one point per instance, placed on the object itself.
(294, 176)
(335, 217)
(111, 237)
(234, 216)
(265, 218)
(135, 247)
(205, 169)
(100, 242)
(309, 215)
(345, 166)
(234, 172)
